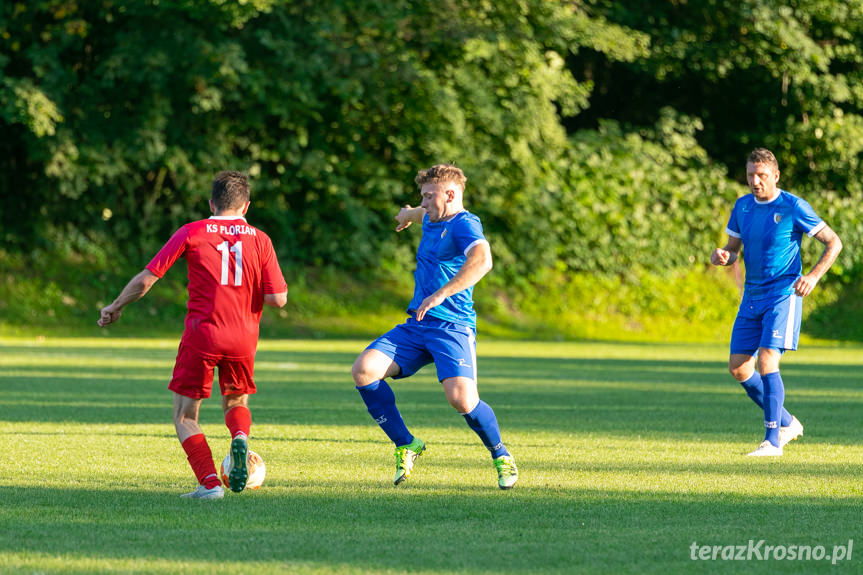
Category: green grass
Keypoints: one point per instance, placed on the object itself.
(628, 453)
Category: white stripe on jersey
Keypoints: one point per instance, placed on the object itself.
(475, 242)
(817, 229)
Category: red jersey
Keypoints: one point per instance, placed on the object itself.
(231, 266)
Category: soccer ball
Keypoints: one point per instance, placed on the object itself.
(257, 470)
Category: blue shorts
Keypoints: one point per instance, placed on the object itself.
(768, 322)
(414, 344)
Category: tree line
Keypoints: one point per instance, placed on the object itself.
(597, 136)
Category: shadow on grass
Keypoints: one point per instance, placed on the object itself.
(624, 397)
(449, 528)
(445, 529)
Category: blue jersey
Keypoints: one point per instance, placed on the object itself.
(771, 233)
(442, 251)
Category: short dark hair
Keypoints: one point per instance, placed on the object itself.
(230, 190)
(441, 173)
(763, 156)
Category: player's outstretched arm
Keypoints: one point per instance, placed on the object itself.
(408, 215)
(832, 246)
(477, 264)
(134, 290)
(727, 255)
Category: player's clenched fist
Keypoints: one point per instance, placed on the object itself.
(403, 218)
(720, 257)
(804, 285)
(409, 215)
(109, 315)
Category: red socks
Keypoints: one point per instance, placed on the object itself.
(239, 420)
(201, 459)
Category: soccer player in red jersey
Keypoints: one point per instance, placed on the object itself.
(233, 272)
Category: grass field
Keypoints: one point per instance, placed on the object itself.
(628, 454)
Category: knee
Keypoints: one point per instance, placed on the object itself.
(768, 366)
(461, 393)
(460, 405)
(768, 361)
(361, 373)
(463, 403)
(740, 372)
(768, 369)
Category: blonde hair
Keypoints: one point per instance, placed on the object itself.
(440, 173)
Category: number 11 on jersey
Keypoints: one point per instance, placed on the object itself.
(237, 250)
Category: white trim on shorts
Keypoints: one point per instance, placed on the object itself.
(471, 340)
(791, 321)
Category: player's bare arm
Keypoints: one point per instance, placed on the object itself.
(276, 299)
(725, 256)
(832, 246)
(477, 264)
(409, 215)
(137, 287)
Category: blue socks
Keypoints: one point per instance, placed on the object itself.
(381, 403)
(774, 397)
(754, 387)
(483, 421)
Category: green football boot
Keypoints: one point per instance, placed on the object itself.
(507, 472)
(405, 457)
(239, 473)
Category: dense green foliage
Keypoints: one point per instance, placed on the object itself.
(633, 201)
(598, 137)
(119, 113)
(788, 75)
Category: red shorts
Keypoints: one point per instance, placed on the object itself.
(193, 373)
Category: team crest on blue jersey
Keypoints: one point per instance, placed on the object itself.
(777, 218)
